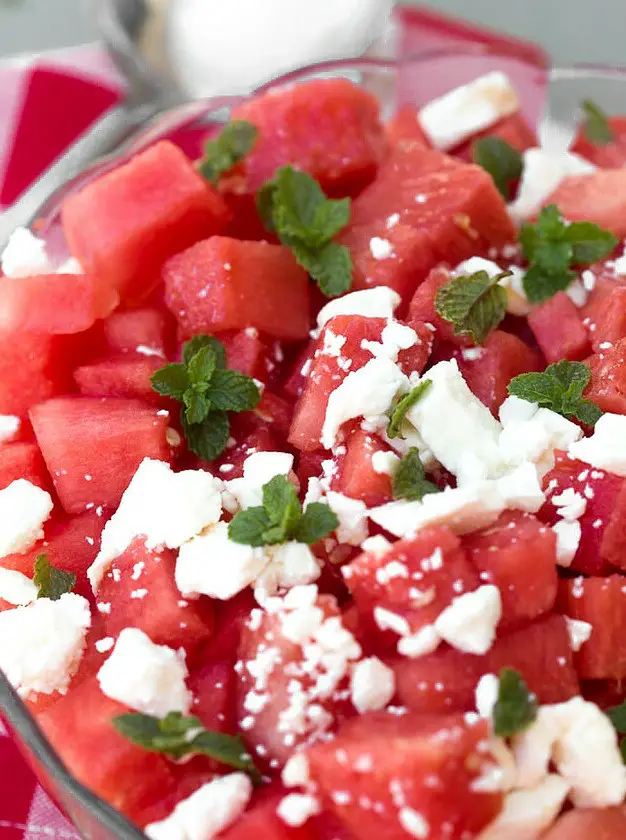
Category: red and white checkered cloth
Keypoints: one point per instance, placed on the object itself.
(31, 138)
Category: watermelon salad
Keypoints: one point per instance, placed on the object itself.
(312, 475)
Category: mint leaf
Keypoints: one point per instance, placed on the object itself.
(171, 381)
(516, 707)
(409, 480)
(294, 206)
(178, 737)
(617, 716)
(500, 160)
(201, 366)
(197, 406)
(317, 522)
(404, 406)
(282, 506)
(248, 527)
(474, 304)
(51, 582)
(195, 344)
(552, 248)
(596, 127)
(230, 390)
(560, 388)
(223, 152)
(207, 439)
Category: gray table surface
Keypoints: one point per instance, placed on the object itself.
(573, 30)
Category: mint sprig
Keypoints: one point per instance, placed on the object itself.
(409, 480)
(516, 706)
(294, 206)
(474, 304)
(404, 406)
(208, 391)
(596, 127)
(560, 388)
(280, 518)
(177, 736)
(223, 152)
(500, 160)
(50, 581)
(553, 247)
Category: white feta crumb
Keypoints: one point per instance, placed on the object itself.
(9, 427)
(424, 641)
(24, 508)
(258, 469)
(372, 685)
(147, 677)
(16, 588)
(377, 545)
(486, 695)
(296, 808)
(105, 645)
(296, 771)
(352, 516)
(413, 823)
(521, 488)
(469, 623)
(579, 632)
(207, 812)
(606, 448)
(570, 504)
(378, 302)
(332, 343)
(290, 564)
(527, 813)
(384, 463)
(25, 255)
(165, 507)
(568, 536)
(515, 410)
(387, 620)
(577, 293)
(41, 644)
(450, 119)
(536, 438)
(380, 249)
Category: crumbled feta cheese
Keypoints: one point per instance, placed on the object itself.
(474, 264)
(469, 623)
(352, 516)
(570, 504)
(513, 284)
(536, 438)
(378, 302)
(577, 293)
(296, 771)
(384, 463)
(165, 507)
(527, 813)
(377, 545)
(16, 588)
(380, 249)
(207, 812)
(290, 564)
(606, 448)
(450, 119)
(9, 427)
(332, 343)
(105, 645)
(469, 428)
(24, 508)
(25, 255)
(487, 692)
(372, 685)
(387, 620)
(41, 644)
(296, 808)
(542, 173)
(70, 266)
(147, 677)
(258, 469)
(568, 536)
(521, 489)
(363, 393)
(515, 410)
(414, 823)
(424, 641)
(579, 632)
(212, 564)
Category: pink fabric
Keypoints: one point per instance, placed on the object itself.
(45, 102)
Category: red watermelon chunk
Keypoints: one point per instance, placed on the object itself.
(226, 284)
(405, 126)
(517, 554)
(608, 378)
(513, 129)
(147, 329)
(31, 370)
(250, 352)
(142, 593)
(92, 447)
(606, 155)
(262, 822)
(600, 602)
(22, 460)
(125, 224)
(613, 545)
(55, 304)
(356, 476)
(559, 330)
(587, 823)
(419, 771)
(599, 197)
(120, 376)
(604, 315)
(327, 127)
(416, 579)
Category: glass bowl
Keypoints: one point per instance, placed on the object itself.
(553, 93)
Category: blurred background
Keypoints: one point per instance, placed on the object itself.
(571, 30)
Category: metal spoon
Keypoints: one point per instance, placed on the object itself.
(134, 33)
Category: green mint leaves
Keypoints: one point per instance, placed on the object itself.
(500, 160)
(281, 518)
(596, 127)
(208, 391)
(516, 706)
(404, 406)
(51, 582)
(294, 206)
(552, 247)
(474, 304)
(560, 388)
(223, 152)
(409, 480)
(178, 737)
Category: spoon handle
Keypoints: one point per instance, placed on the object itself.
(99, 139)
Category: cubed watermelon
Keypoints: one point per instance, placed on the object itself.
(146, 329)
(120, 376)
(608, 378)
(404, 127)
(605, 155)
(22, 460)
(587, 823)
(250, 352)
(32, 369)
(513, 129)
(599, 197)
(226, 284)
(559, 330)
(604, 315)
(92, 447)
(356, 476)
(125, 224)
(327, 127)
